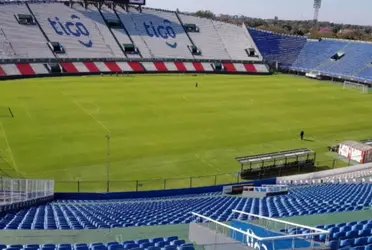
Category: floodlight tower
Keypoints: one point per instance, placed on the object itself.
(317, 5)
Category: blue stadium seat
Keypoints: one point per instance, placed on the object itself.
(347, 243)
(334, 244)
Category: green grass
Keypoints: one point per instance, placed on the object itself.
(162, 126)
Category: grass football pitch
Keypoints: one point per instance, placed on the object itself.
(162, 126)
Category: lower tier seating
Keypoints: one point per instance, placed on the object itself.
(159, 243)
(318, 199)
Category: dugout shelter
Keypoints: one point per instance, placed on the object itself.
(275, 164)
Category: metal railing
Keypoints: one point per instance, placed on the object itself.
(20, 190)
(81, 186)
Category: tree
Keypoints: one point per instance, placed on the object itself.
(296, 27)
(205, 14)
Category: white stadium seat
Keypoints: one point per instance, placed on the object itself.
(20, 41)
(75, 30)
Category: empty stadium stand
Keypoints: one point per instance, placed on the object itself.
(274, 47)
(59, 30)
(331, 57)
(163, 33)
(348, 235)
(120, 34)
(158, 243)
(207, 39)
(81, 32)
(20, 40)
(317, 199)
(236, 40)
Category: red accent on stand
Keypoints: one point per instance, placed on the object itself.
(69, 67)
(25, 69)
(91, 66)
(180, 66)
(160, 66)
(250, 68)
(136, 66)
(229, 67)
(113, 67)
(198, 66)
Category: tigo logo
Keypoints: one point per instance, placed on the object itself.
(71, 28)
(162, 31)
(253, 243)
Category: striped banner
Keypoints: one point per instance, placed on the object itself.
(27, 69)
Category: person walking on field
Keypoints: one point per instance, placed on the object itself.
(302, 135)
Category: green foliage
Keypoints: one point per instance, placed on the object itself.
(162, 126)
(205, 14)
(296, 27)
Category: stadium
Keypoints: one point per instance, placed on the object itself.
(129, 127)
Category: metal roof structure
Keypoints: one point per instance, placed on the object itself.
(274, 156)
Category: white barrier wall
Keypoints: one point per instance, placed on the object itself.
(323, 174)
(20, 190)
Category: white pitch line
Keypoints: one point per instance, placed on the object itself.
(88, 113)
(98, 108)
(92, 116)
(204, 161)
(9, 148)
(26, 109)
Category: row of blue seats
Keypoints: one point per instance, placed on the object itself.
(349, 243)
(300, 201)
(169, 243)
(300, 53)
(143, 199)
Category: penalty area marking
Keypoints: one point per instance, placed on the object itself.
(92, 116)
(88, 113)
(204, 161)
(26, 109)
(185, 98)
(9, 148)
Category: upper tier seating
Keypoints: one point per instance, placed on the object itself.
(325, 198)
(119, 33)
(20, 41)
(357, 56)
(277, 47)
(92, 13)
(173, 43)
(316, 53)
(365, 73)
(236, 39)
(78, 32)
(156, 33)
(316, 56)
(309, 55)
(81, 32)
(207, 40)
(135, 32)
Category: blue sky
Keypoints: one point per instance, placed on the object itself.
(340, 11)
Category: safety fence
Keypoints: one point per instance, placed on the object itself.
(22, 190)
(85, 186)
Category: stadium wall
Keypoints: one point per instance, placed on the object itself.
(325, 173)
(155, 193)
(40, 69)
